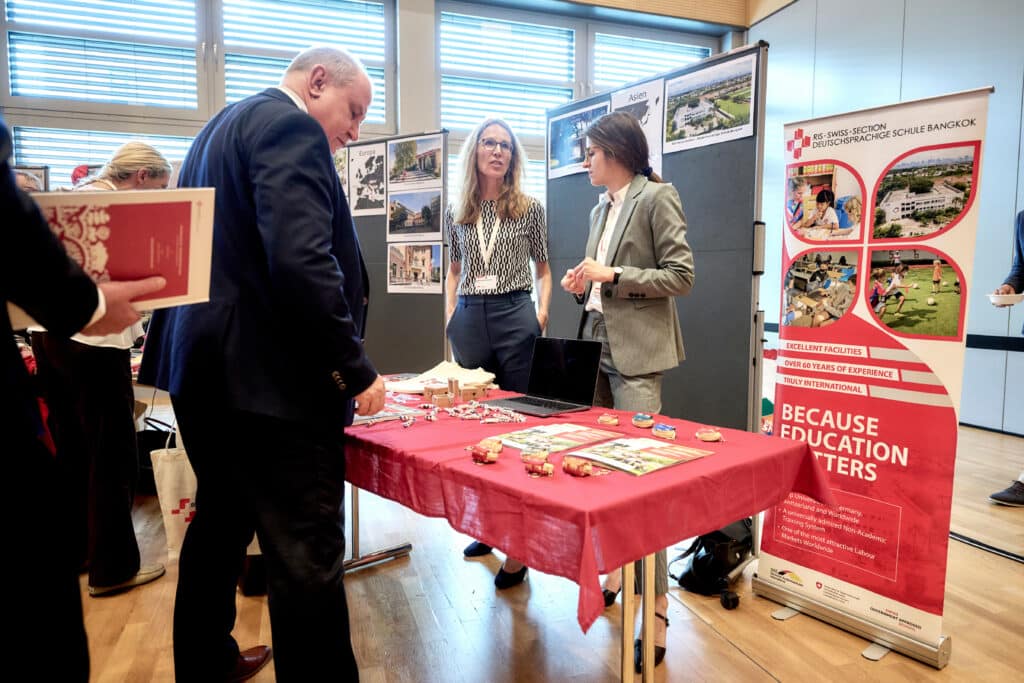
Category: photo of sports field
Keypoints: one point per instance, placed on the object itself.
(927, 299)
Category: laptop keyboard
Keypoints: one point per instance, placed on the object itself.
(545, 403)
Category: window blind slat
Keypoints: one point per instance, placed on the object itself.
(623, 59)
(102, 71)
(163, 19)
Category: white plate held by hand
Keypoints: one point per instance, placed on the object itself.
(1005, 299)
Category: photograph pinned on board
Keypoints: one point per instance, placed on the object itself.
(914, 291)
(925, 191)
(709, 105)
(368, 196)
(819, 288)
(341, 166)
(415, 216)
(567, 143)
(415, 163)
(647, 103)
(824, 201)
(414, 268)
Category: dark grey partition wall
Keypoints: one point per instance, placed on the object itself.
(404, 332)
(719, 185)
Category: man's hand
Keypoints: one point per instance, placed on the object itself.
(1003, 289)
(589, 269)
(371, 401)
(119, 295)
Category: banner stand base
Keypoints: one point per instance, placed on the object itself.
(784, 613)
(934, 655)
(875, 652)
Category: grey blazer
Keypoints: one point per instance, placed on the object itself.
(649, 243)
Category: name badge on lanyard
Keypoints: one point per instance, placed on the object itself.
(486, 282)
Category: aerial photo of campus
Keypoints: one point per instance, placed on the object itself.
(924, 192)
(715, 99)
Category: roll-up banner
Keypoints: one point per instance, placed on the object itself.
(881, 213)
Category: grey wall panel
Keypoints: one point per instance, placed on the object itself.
(856, 57)
(981, 401)
(789, 97)
(716, 186)
(711, 384)
(987, 50)
(563, 313)
(1013, 413)
(569, 202)
(404, 332)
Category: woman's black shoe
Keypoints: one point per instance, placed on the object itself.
(609, 596)
(476, 549)
(638, 650)
(504, 579)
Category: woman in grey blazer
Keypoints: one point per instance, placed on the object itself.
(637, 261)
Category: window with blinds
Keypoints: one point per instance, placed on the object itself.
(622, 59)
(136, 53)
(63, 149)
(256, 29)
(510, 69)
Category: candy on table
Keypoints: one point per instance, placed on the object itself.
(709, 434)
(577, 467)
(540, 469)
(491, 444)
(534, 455)
(643, 420)
(483, 456)
(608, 419)
(664, 431)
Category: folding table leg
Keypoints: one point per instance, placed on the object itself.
(359, 561)
(648, 627)
(627, 622)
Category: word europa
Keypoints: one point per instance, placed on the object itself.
(843, 440)
(881, 131)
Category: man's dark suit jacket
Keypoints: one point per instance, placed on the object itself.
(281, 334)
(38, 276)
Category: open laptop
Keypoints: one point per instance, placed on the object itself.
(563, 376)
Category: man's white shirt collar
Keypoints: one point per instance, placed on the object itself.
(294, 97)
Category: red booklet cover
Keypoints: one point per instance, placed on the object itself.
(132, 235)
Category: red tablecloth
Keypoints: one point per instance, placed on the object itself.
(578, 528)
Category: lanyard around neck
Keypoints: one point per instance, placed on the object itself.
(487, 251)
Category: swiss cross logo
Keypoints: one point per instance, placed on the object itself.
(186, 506)
(798, 142)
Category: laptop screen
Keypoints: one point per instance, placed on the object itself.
(564, 369)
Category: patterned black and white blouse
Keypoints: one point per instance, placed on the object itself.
(519, 241)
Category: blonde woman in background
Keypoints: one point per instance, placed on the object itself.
(87, 384)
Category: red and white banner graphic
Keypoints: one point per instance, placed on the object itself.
(880, 218)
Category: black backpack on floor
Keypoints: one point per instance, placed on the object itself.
(713, 556)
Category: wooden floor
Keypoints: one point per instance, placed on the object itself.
(435, 617)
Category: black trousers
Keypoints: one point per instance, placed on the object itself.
(43, 605)
(88, 390)
(285, 480)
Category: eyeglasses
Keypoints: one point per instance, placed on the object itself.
(490, 144)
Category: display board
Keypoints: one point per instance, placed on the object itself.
(708, 143)
(397, 188)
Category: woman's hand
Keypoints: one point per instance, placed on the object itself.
(589, 269)
(572, 284)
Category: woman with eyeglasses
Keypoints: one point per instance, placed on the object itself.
(637, 261)
(494, 230)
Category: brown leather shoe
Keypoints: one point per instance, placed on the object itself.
(249, 663)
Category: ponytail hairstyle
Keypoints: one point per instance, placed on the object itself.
(621, 137)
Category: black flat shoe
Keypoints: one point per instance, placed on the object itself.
(504, 579)
(638, 650)
(609, 596)
(476, 549)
